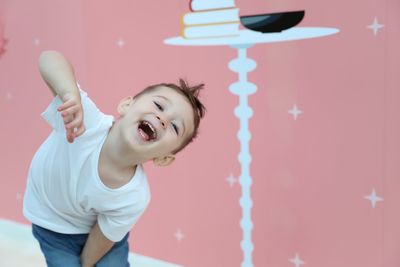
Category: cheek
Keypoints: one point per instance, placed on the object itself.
(171, 142)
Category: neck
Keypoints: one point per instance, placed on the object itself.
(114, 153)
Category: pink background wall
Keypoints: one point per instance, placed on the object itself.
(311, 175)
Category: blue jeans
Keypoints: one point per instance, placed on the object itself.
(61, 250)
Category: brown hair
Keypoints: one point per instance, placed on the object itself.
(191, 93)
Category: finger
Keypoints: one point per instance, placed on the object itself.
(68, 119)
(66, 104)
(70, 111)
(80, 130)
(75, 123)
(70, 135)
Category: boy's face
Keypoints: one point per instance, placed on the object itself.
(156, 123)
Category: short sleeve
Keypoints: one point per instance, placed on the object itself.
(91, 114)
(52, 116)
(116, 224)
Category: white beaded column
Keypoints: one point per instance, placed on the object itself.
(242, 65)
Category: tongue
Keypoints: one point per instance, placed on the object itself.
(144, 135)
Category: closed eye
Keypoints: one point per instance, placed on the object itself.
(158, 106)
(175, 128)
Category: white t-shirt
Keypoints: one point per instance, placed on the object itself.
(64, 192)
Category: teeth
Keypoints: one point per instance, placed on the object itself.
(153, 134)
(151, 126)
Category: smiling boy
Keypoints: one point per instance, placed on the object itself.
(86, 185)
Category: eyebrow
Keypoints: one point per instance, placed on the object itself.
(169, 101)
(163, 97)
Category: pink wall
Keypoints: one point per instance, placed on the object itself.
(311, 175)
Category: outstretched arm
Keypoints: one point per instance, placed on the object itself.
(97, 245)
(59, 76)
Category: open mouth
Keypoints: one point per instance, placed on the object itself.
(147, 131)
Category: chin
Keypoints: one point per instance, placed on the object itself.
(132, 139)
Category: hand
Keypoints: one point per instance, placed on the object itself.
(86, 264)
(72, 113)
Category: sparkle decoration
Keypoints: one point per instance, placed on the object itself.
(375, 26)
(120, 43)
(373, 198)
(179, 235)
(36, 41)
(297, 261)
(9, 96)
(231, 180)
(295, 111)
(242, 65)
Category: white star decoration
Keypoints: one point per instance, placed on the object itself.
(373, 198)
(36, 41)
(9, 96)
(179, 235)
(295, 111)
(120, 43)
(297, 261)
(375, 26)
(231, 180)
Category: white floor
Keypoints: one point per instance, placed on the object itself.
(18, 248)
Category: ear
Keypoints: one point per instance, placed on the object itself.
(164, 161)
(124, 105)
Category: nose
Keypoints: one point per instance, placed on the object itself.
(163, 124)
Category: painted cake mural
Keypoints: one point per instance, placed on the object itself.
(211, 19)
